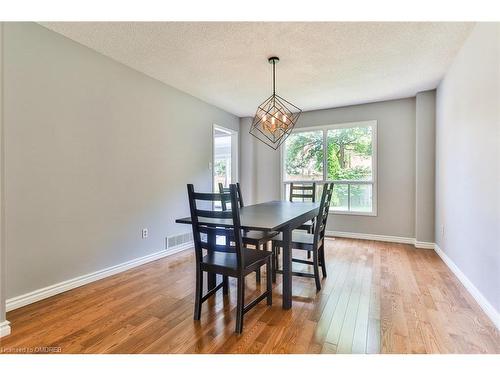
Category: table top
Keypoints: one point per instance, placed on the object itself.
(272, 215)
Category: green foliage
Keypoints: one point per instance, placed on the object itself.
(304, 152)
(220, 167)
(343, 145)
(347, 148)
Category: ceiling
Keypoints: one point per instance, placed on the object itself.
(323, 64)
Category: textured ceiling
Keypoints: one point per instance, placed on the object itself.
(323, 64)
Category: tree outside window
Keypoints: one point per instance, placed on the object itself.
(346, 155)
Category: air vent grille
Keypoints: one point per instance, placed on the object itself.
(180, 239)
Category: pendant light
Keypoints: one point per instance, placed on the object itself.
(275, 117)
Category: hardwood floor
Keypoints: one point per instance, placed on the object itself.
(378, 298)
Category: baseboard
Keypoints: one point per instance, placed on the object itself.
(476, 294)
(384, 238)
(373, 237)
(424, 245)
(51, 290)
(4, 328)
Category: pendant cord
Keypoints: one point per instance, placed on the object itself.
(274, 77)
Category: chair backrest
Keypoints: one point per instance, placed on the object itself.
(216, 223)
(224, 190)
(302, 192)
(321, 219)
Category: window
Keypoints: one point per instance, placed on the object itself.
(344, 154)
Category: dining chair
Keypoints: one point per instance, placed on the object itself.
(229, 261)
(304, 193)
(257, 238)
(314, 243)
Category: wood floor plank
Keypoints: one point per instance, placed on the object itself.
(378, 297)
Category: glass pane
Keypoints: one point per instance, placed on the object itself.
(361, 198)
(340, 198)
(349, 154)
(222, 161)
(303, 156)
(319, 191)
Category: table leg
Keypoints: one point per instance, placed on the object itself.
(287, 268)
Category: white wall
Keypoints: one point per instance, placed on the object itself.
(468, 161)
(396, 165)
(94, 152)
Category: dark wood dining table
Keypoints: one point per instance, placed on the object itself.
(279, 216)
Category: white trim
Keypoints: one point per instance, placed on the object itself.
(476, 294)
(51, 290)
(373, 237)
(235, 154)
(353, 213)
(381, 237)
(4, 328)
(424, 245)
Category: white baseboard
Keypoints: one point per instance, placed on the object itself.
(380, 237)
(51, 290)
(424, 245)
(476, 294)
(4, 328)
(373, 237)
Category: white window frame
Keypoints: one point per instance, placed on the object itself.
(372, 182)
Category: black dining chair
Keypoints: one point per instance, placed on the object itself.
(314, 243)
(229, 261)
(257, 238)
(304, 193)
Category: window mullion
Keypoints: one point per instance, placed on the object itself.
(325, 152)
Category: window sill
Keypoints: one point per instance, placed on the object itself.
(352, 213)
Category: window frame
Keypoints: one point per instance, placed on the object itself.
(324, 128)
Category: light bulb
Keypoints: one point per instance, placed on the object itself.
(284, 118)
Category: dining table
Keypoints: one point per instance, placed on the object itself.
(276, 216)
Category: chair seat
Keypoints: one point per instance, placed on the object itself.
(252, 259)
(307, 226)
(258, 235)
(298, 237)
(300, 241)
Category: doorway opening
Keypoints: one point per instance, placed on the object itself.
(225, 157)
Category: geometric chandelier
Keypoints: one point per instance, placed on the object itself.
(275, 117)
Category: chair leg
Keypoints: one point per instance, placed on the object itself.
(257, 273)
(274, 259)
(269, 283)
(240, 304)
(225, 285)
(322, 258)
(198, 294)
(310, 231)
(316, 270)
(278, 252)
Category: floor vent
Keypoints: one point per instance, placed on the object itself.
(180, 239)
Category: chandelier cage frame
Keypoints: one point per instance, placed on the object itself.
(275, 117)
